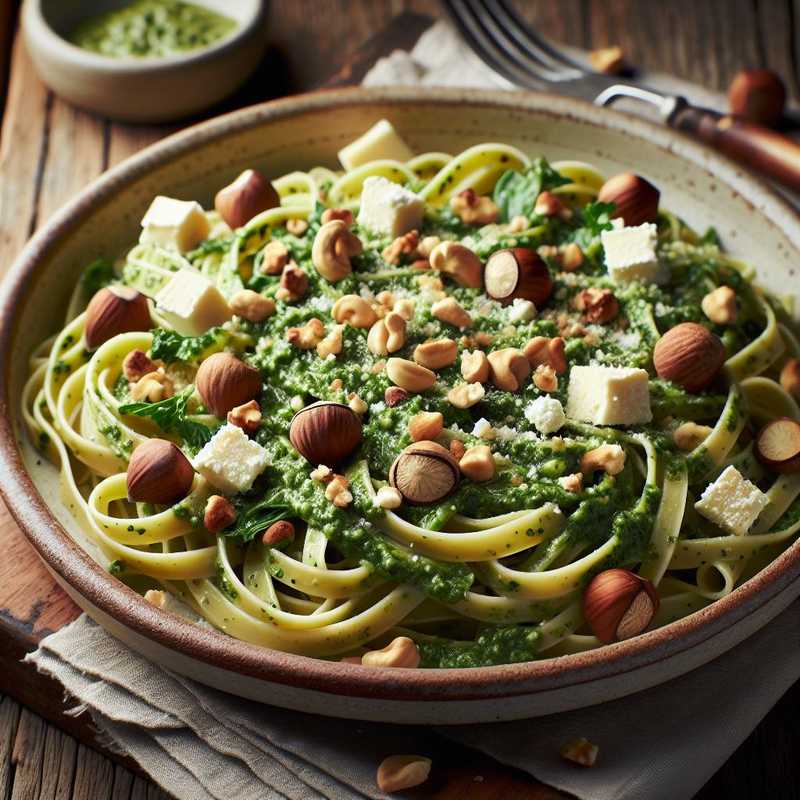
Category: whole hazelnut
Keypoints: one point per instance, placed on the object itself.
(250, 194)
(424, 473)
(619, 604)
(757, 95)
(517, 273)
(777, 445)
(158, 472)
(225, 382)
(325, 433)
(689, 355)
(114, 310)
(636, 199)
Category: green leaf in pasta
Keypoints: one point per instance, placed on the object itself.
(515, 192)
(170, 346)
(597, 217)
(253, 518)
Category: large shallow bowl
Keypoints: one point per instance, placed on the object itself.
(307, 130)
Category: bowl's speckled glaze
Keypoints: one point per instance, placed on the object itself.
(300, 132)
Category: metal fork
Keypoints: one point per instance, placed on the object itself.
(507, 44)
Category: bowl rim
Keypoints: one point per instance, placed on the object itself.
(41, 35)
(74, 566)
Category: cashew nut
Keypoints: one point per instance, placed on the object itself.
(251, 305)
(410, 376)
(543, 350)
(353, 310)
(396, 773)
(450, 311)
(608, 457)
(308, 336)
(544, 378)
(387, 335)
(377, 339)
(509, 368)
(466, 395)
(400, 652)
(332, 343)
(436, 354)
(459, 262)
(474, 366)
(334, 246)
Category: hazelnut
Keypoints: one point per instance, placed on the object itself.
(425, 425)
(550, 205)
(608, 457)
(410, 376)
(690, 435)
(224, 382)
(509, 368)
(219, 514)
(757, 95)
(274, 257)
(280, 531)
(342, 214)
(518, 224)
(477, 463)
(334, 246)
(297, 227)
(450, 311)
(354, 311)
(720, 305)
(325, 433)
(466, 395)
(544, 378)
(400, 652)
(518, 273)
(394, 396)
(598, 305)
(114, 310)
(474, 366)
(543, 350)
(689, 355)
(355, 403)
(247, 416)
(636, 199)
(337, 491)
(396, 773)
(152, 387)
(474, 209)
(459, 262)
(619, 604)
(252, 306)
(436, 354)
(457, 449)
(580, 751)
(250, 194)
(159, 472)
(294, 283)
(405, 245)
(571, 258)
(790, 377)
(572, 483)
(427, 245)
(777, 445)
(136, 365)
(425, 472)
(308, 336)
(332, 344)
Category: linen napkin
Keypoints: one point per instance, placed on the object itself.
(199, 743)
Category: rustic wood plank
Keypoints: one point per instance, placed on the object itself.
(9, 720)
(8, 14)
(94, 776)
(60, 756)
(28, 756)
(123, 783)
(777, 22)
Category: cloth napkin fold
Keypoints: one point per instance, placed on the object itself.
(199, 743)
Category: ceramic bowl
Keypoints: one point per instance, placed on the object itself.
(297, 133)
(141, 89)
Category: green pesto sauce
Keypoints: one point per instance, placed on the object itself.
(152, 28)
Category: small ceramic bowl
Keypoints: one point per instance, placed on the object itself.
(141, 89)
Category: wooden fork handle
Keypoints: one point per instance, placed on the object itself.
(751, 145)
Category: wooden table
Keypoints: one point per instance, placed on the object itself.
(49, 151)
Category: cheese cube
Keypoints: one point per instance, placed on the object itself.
(380, 141)
(389, 208)
(732, 502)
(230, 461)
(191, 303)
(631, 254)
(546, 414)
(609, 395)
(174, 224)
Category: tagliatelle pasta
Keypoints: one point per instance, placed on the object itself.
(478, 541)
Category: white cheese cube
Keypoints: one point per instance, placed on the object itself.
(631, 254)
(380, 141)
(609, 395)
(546, 414)
(175, 224)
(191, 303)
(732, 502)
(521, 310)
(389, 208)
(230, 461)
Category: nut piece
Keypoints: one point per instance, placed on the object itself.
(308, 336)
(334, 246)
(343, 214)
(474, 209)
(325, 433)
(757, 95)
(544, 378)
(474, 366)
(608, 457)
(571, 258)
(400, 652)
(509, 368)
(394, 396)
(250, 194)
(280, 531)
(619, 604)
(251, 305)
(294, 283)
(387, 335)
(274, 257)
(777, 445)
(152, 387)
(159, 473)
(224, 382)
(114, 310)
(136, 365)
(598, 305)
(572, 483)
(720, 305)
(458, 262)
(297, 227)
(518, 273)
(396, 773)
(450, 311)
(608, 60)
(331, 345)
(354, 311)
(387, 497)
(790, 377)
(689, 355)
(425, 472)
(426, 425)
(410, 376)
(550, 205)
(337, 491)
(247, 417)
(636, 199)
(543, 350)
(436, 354)
(219, 514)
(355, 403)
(405, 245)
(457, 449)
(477, 463)
(466, 395)
(690, 435)
(580, 751)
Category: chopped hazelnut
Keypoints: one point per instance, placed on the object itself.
(280, 531)
(297, 227)
(332, 343)
(790, 377)
(275, 256)
(598, 305)
(337, 492)
(426, 426)
(251, 305)
(550, 205)
(405, 245)
(543, 350)
(720, 305)
(457, 449)
(477, 463)
(247, 416)
(356, 403)
(308, 336)
(137, 364)
(294, 283)
(690, 435)
(394, 395)
(519, 224)
(571, 257)
(544, 378)
(608, 457)
(219, 514)
(474, 209)
(572, 483)
(388, 497)
(152, 387)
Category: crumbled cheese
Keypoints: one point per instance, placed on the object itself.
(191, 303)
(388, 207)
(608, 395)
(174, 224)
(505, 434)
(483, 429)
(378, 408)
(521, 310)
(546, 414)
(631, 254)
(732, 502)
(380, 141)
(230, 461)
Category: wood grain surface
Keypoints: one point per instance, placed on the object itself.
(49, 151)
